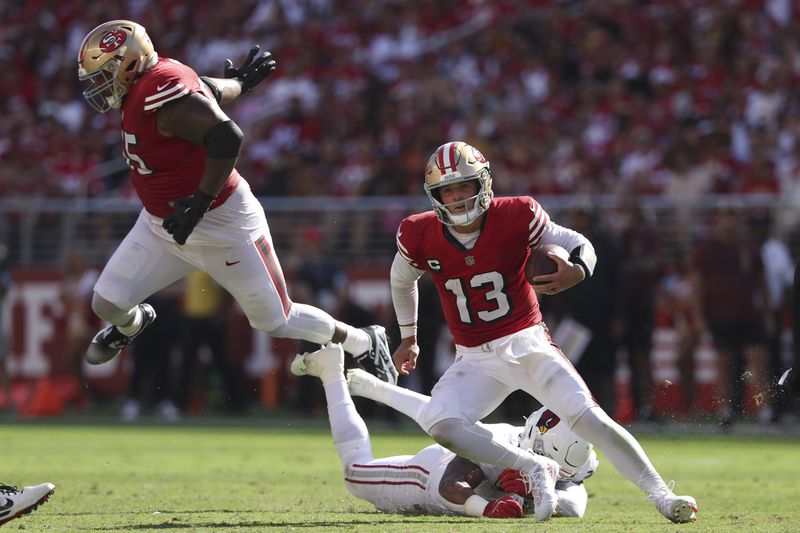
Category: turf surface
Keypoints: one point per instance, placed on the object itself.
(138, 478)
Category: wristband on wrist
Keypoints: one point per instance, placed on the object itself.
(475, 505)
(408, 331)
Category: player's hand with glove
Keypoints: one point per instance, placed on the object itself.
(504, 507)
(514, 482)
(186, 213)
(254, 69)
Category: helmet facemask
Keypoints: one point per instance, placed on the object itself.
(454, 163)
(546, 434)
(105, 91)
(481, 199)
(111, 57)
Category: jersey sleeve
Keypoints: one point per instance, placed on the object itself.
(538, 219)
(408, 244)
(170, 82)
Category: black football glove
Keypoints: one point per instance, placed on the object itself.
(254, 70)
(186, 213)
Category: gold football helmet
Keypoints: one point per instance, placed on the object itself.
(455, 162)
(111, 57)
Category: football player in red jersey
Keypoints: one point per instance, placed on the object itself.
(199, 213)
(476, 256)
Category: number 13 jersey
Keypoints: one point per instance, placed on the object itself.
(483, 291)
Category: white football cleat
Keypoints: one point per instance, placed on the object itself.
(678, 509)
(327, 360)
(542, 482)
(362, 383)
(15, 502)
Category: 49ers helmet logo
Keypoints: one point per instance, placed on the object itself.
(478, 155)
(548, 420)
(112, 40)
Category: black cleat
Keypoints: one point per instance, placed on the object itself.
(378, 359)
(109, 341)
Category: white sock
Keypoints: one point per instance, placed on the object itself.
(621, 449)
(133, 326)
(356, 341)
(350, 434)
(410, 403)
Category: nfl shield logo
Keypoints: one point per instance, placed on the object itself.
(470, 260)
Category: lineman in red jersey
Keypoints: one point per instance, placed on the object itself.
(199, 213)
(476, 257)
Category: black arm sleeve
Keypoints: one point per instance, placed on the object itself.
(213, 87)
(223, 140)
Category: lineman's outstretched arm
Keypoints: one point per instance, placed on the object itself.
(241, 80)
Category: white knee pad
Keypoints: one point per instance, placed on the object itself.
(110, 312)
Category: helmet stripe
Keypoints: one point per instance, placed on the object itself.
(440, 159)
(453, 157)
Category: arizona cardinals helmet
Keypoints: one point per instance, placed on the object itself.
(546, 434)
(111, 57)
(456, 162)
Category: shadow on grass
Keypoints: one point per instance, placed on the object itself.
(299, 524)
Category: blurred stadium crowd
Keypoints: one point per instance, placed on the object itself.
(674, 99)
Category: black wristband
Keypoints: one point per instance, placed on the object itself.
(213, 87)
(584, 257)
(206, 198)
(223, 140)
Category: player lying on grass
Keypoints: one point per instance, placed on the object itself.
(435, 480)
(16, 502)
(544, 433)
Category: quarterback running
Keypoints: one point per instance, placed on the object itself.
(199, 212)
(475, 248)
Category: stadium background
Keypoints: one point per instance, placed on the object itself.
(654, 116)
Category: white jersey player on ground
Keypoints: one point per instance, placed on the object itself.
(475, 248)
(436, 480)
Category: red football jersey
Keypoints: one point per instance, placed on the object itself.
(483, 291)
(163, 168)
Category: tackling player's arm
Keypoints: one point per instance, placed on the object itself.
(241, 80)
(199, 120)
(457, 492)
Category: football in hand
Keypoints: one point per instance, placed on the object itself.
(539, 263)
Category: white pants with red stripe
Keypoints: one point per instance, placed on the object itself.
(233, 244)
(403, 483)
(483, 376)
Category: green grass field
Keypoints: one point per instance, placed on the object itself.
(123, 478)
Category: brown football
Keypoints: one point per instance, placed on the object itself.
(539, 263)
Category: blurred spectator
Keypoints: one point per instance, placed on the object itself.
(680, 303)
(729, 277)
(595, 304)
(76, 293)
(639, 259)
(631, 85)
(5, 284)
(204, 313)
(779, 272)
(151, 382)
